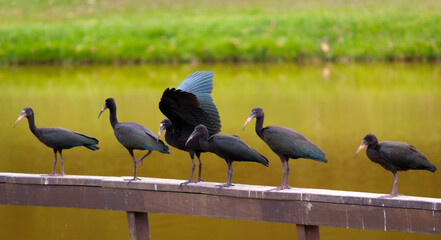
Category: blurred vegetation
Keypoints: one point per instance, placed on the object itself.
(137, 31)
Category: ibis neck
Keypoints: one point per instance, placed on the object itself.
(112, 117)
(373, 146)
(33, 127)
(259, 126)
(203, 141)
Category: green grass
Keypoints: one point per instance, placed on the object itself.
(96, 31)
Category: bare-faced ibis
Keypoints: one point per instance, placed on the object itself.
(133, 136)
(286, 143)
(186, 107)
(394, 156)
(57, 138)
(229, 147)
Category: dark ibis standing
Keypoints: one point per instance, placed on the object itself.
(394, 156)
(57, 138)
(286, 143)
(229, 147)
(133, 136)
(186, 107)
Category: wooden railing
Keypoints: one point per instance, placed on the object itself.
(308, 208)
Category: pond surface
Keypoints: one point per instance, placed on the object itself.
(334, 106)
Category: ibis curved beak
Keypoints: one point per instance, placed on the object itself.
(362, 145)
(193, 135)
(161, 130)
(248, 120)
(19, 118)
(102, 110)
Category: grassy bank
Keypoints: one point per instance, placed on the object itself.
(171, 31)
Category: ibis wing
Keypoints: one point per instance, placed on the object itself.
(56, 137)
(201, 85)
(191, 103)
(198, 82)
(183, 108)
(137, 136)
(233, 148)
(403, 156)
(291, 143)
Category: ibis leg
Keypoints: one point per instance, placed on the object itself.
(134, 167)
(138, 225)
(199, 179)
(307, 232)
(193, 166)
(55, 162)
(395, 187)
(62, 162)
(286, 175)
(283, 177)
(230, 175)
(142, 158)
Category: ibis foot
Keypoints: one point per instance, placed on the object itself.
(391, 195)
(198, 180)
(275, 189)
(55, 174)
(224, 185)
(279, 188)
(133, 179)
(185, 183)
(140, 163)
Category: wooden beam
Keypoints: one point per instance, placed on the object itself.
(138, 226)
(307, 232)
(315, 207)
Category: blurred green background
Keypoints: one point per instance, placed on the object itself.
(137, 31)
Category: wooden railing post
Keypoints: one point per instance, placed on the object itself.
(307, 232)
(138, 225)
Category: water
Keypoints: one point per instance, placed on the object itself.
(334, 106)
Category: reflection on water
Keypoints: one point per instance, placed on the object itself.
(334, 106)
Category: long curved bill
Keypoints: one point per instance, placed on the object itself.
(362, 145)
(193, 135)
(248, 120)
(102, 110)
(19, 118)
(161, 130)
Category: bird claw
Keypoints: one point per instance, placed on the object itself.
(224, 185)
(133, 179)
(275, 189)
(279, 188)
(391, 195)
(140, 162)
(198, 180)
(55, 174)
(185, 183)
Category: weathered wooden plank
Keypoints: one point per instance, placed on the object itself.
(307, 232)
(138, 226)
(298, 206)
(45, 179)
(239, 190)
(194, 204)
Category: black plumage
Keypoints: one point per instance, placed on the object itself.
(286, 143)
(229, 147)
(57, 138)
(186, 107)
(133, 136)
(394, 156)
